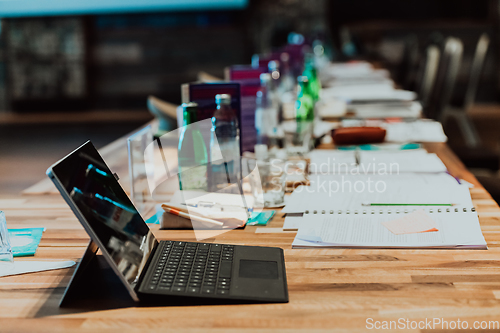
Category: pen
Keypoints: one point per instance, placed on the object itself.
(406, 204)
(192, 217)
(213, 204)
(456, 178)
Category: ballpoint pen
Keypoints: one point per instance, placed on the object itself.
(192, 217)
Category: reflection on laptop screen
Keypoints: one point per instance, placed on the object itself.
(107, 210)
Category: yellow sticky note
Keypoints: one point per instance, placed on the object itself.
(416, 222)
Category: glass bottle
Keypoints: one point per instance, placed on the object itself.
(312, 76)
(224, 173)
(276, 85)
(305, 100)
(287, 78)
(288, 90)
(266, 113)
(304, 108)
(192, 152)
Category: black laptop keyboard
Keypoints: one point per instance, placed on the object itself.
(193, 268)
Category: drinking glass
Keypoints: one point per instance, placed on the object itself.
(298, 137)
(267, 180)
(6, 257)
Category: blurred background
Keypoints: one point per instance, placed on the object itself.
(84, 70)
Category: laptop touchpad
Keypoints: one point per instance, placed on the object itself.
(258, 269)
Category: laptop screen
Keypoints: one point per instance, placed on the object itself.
(107, 210)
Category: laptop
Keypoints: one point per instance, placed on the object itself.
(152, 269)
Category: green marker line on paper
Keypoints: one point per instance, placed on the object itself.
(405, 204)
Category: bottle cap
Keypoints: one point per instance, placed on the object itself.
(274, 68)
(260, 152)
(191, 106)
(223, 99)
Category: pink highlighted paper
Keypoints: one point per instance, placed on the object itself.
(416, 222)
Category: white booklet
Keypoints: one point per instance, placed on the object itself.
(456, 229)
(364, 192)
(405, 110)
(419, 130)
(370, 162)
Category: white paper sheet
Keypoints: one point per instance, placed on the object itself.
(370, 162)
(31, 266)
(416, 131)
(459, 229)
(415, 160)
(387, 110)
(292, 222)
(422, 130)
(193, 197)
(324, 161)
(368, 92)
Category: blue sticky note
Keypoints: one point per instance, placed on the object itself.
(25, 242)
(261, 218)
(153, 220)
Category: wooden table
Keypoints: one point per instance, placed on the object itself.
(330, 289)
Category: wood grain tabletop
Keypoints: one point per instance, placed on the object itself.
(345, 290)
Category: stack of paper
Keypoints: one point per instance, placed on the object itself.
(360, 72)
(416, 160)
(422, 130)
(368, 92)
(411, 109)
(415, 131)
(367, 194)
(354, 192)
(324, 161)
(371, 162)
(455, 230)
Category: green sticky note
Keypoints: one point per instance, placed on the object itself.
(24, 242)
(261, 218)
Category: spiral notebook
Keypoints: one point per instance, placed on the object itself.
(457, 228)
(353, 192)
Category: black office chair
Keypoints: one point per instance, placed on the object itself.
(426, 76)
(408, 67)
(474, 154)
(457, 109)
(449, 66)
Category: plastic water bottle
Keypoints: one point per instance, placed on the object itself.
(266, 114)
(224, 173)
